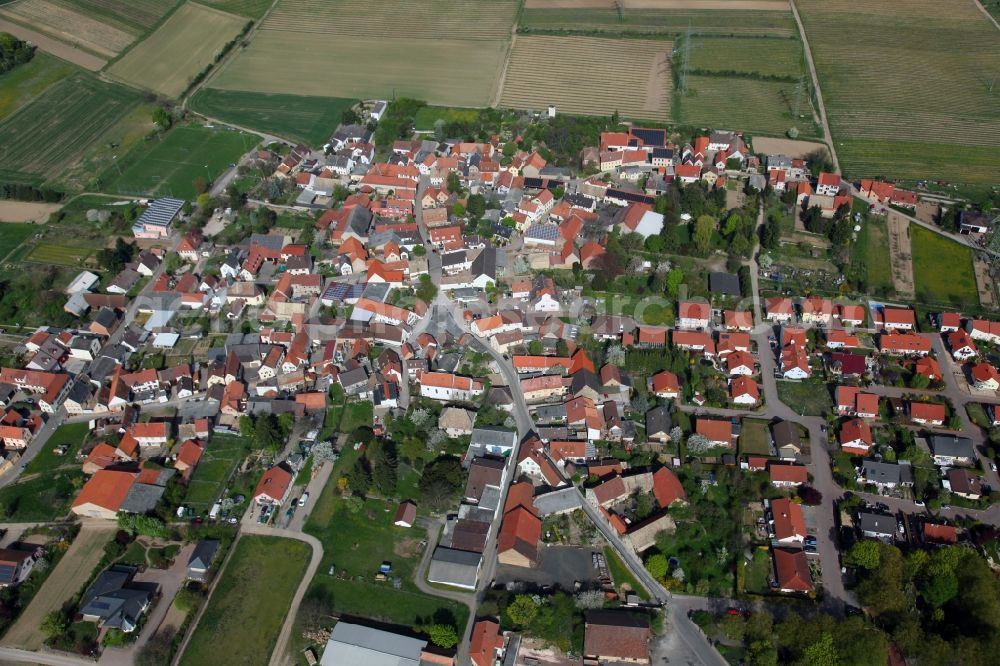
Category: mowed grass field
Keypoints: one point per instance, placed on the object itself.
(907, 87)
(942, 269)
(873, 244)
(448, 52)
(178, 50)
(745, 104)
(49, 133)
(250, 8)
(297, 117)
(720, 22)
(765, 56)
(12, 234)
(249, 603)
(56, 253)
(590, 76)
(170, 165)
(24, 82)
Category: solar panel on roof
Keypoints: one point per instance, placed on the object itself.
(160, 212)
(650, 137)
(543, 231)
(635, 197)
(533, 183)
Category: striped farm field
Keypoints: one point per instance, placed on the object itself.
(178, 50)
(137, 15)
(386, 20)
(70, 26)
(743, 104)
(50, 133)
(908, 87)
(750, 55)
(668, 21)
(250, 8)
(54, 253)
(590, 76)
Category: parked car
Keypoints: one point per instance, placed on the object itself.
(303, 499)
(811, 540)
(811, 550)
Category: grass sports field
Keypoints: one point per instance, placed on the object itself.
(448, 52)
(942, 269)
(170, 165)
(640, 91)
(24, 82)
(178, 50)
(241, 623)
(48, 134)
(296, 117)
(926, 110)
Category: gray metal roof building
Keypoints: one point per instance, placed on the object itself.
(356, 644)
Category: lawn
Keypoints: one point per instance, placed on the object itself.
(12, 234)
(755, 438)
(71, 436)
(356, 544)
(250, 602)
(49, 133)
(42, 498)
(222, 455)
(873, 250)
(942, 269)
(182, 47)
(757, 573)
(171, 165)
(356, 415)
(295, 117)
(808, 398)
(620, 573)
(22, 84)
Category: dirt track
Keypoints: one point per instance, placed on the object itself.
(65, 580)
(790, 147)
(55, 47)
(23, 211)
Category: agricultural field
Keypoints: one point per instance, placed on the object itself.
(171, 165)
(763, 106)
(185, 44)
(873, 248)
(640, 90)
(942, 269)
(751, 56)
(59, 254)
(775, 21)
(24, 82)
(300, 118)
(241, 623)
(250, 8)
(448, 53)
(76, 27)
(929, 109)
(48, 135)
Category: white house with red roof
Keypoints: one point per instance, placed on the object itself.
(693, 315)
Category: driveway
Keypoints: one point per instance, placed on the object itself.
(170, 581)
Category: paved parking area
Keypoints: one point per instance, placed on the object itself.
(562, 566)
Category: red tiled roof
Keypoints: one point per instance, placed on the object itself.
(792, 570)
(106, 489)
(788, 473)
(927, 411)
(789, 521)
(667, 487)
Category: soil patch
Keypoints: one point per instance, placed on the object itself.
(24, 211)
(984, 284)
(901, 254)
(789, 147)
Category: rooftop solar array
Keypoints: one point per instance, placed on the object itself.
(543, 231)
(161, 212)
